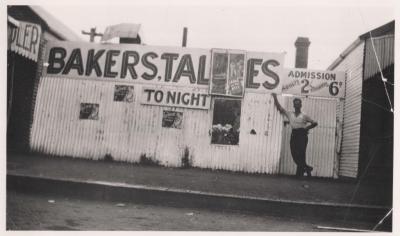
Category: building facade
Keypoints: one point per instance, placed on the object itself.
(29, 27)
(367, 143)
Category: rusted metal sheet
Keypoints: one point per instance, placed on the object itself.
(384, 47)
(129, 131)
(321, 152)
(351, 109)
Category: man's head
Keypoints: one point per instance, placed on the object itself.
(297, 103)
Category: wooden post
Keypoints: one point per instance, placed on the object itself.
(184, 39)
(92, 34)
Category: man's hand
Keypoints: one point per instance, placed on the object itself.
(311, 126)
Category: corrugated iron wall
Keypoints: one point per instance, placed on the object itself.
(384, 47)
(349, 156)
(339, 135)
(321, 140)
(129, 131)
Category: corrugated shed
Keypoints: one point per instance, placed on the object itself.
(23, 88)
(129, 131)
(352, 64)
(384, 47)
(55, 29)
(321, 140)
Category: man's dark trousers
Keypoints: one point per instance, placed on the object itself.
(298, 147)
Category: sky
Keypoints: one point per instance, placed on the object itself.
(262, 26)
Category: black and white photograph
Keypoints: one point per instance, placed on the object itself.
(200, 116)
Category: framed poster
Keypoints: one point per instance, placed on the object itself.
(89, 111)
(123, 93)
(228, 72)
(172, 119)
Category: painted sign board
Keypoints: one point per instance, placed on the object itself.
(318, 83)
(128, 63)
(25, 39)
(170, 66)
(175, 97)
(264, 72)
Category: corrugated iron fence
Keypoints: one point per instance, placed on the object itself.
(129, 131)
(321, 148)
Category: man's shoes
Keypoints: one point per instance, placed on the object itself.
(308, 170)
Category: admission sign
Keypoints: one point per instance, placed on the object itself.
(316, 83)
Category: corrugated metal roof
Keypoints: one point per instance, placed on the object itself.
(344, 54)
(382, 30)
(385, 29)
(384, 47)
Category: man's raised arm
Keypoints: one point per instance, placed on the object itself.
(278, 105)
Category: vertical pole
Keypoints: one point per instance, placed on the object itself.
(11, 94)
(184, 39)
(92, 34)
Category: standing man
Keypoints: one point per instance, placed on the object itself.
(301, 124)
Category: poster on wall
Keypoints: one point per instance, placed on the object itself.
(318, 83)
(89, 111)
(227, 72)
(172, 119)
(123, 93)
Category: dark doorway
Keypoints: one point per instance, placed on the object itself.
(376, 141)
(21, 74)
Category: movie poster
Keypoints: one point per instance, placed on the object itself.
(89, 111)
(172, 119)
(228, 69)
(123, 93)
